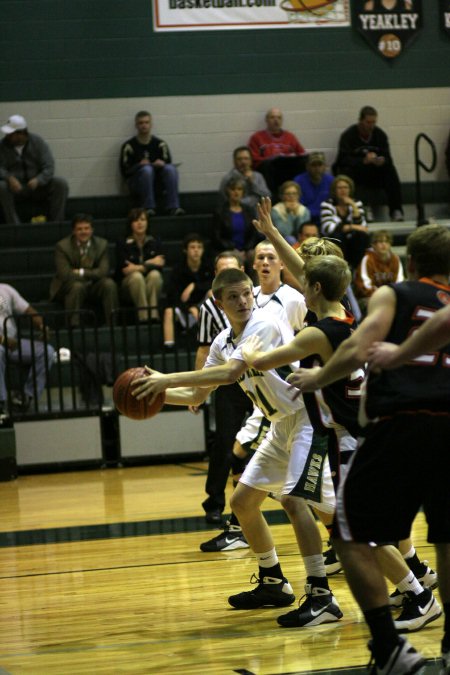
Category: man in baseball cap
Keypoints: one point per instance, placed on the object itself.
(27, 173)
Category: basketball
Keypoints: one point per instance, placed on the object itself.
(127, 404)
(314, 6)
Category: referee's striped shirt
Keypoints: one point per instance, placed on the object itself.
(211, 322)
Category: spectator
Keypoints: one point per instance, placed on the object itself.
(37, 354)
(306, 231)
(233, 223)
(142, 159)
(365, 156)
(82, 271)
(379, 266)
(315, 184)
(26, 172)
(288, 215)
(343, 218)
(187, 289)
(275, 151)
(255, 185)
(140, 261)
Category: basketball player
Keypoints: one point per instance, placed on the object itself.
(407, 414)
(333, 410)
(294, 259)
(288, 305)
(295, 262)
(282, 459)
(432, 335)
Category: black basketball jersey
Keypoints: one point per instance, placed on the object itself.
(338, 402)
(311, 318)
(423, 383)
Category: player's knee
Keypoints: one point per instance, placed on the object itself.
(292, 505)
(237, 504)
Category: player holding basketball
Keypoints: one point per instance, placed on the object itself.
(407, 411)
(284, 461)
(287, 304)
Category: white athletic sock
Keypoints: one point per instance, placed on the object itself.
(314, 565)
(267, 559)
(410, 583)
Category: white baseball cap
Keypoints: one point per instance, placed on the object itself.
(15, 123)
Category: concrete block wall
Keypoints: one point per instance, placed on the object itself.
(86, 135)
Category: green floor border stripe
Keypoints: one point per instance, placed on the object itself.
(144, 528)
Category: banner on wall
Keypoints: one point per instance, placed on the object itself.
(445, 15)
(185, 15)
(388, 25)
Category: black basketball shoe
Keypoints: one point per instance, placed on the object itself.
(418, 610)
(230, 539)
(319, 606)
(270, 592)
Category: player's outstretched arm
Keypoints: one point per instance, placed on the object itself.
(191, 396)
(155, 382)
(264, 224)
(307, 341)
(432, 335)
(353, 352)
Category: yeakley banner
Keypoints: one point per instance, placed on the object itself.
(184, 15)
(388, 25)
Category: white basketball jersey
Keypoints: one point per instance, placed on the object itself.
(285, 303)
(267, 389)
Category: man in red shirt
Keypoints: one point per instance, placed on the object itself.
(276, 153)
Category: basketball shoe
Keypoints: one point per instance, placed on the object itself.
(319, 606)
(270, 592)
(418, 610)
(230, 539)
(426, 576)
(404, 660)
(331, 561)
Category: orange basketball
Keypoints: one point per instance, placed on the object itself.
(127, 404)
(312, 5)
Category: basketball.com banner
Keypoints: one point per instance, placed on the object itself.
(183, 15)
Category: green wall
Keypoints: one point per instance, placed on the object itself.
(71, 49)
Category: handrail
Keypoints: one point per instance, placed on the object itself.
(421, 220)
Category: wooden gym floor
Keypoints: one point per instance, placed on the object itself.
(101, 572)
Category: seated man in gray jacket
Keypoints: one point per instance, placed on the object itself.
(82, 271)
(255, 185)
(27, 172)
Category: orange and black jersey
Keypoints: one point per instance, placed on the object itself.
(423, 384)
(337, 403)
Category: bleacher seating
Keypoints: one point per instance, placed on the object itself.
(27, 253)
(27, 263)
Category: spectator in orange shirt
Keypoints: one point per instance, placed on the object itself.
(379, 266)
